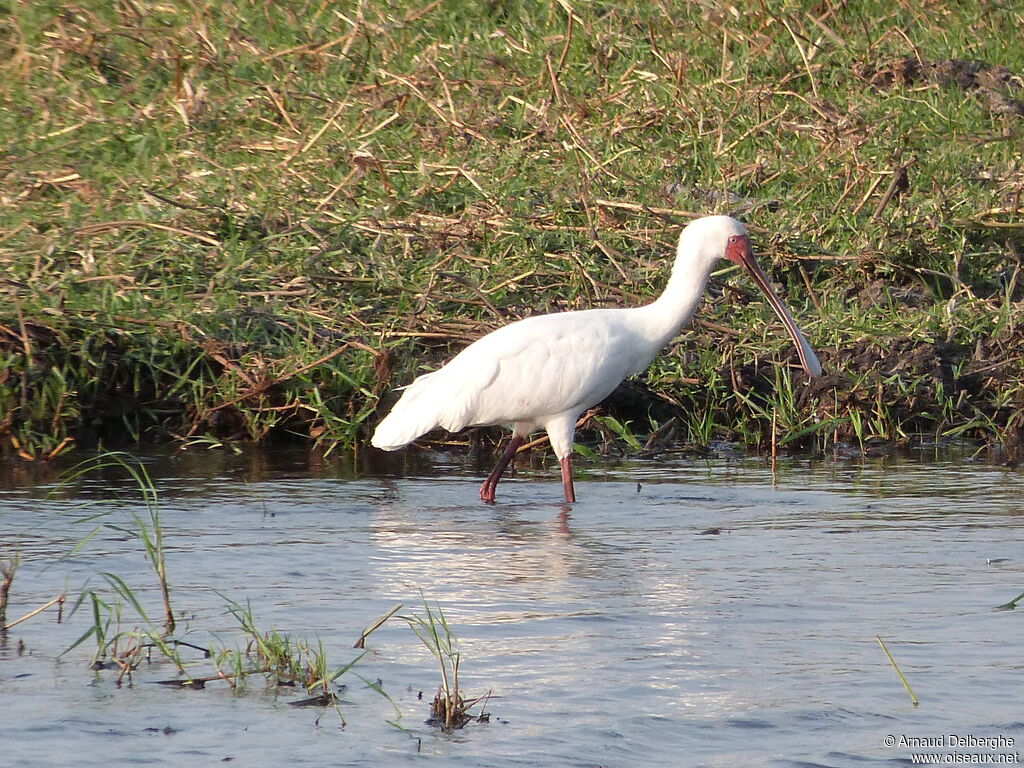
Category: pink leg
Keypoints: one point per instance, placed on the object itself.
(491, 483)
(570, 492)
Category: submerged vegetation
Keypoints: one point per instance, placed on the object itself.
(242, 220)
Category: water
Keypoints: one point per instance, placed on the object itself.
(706, 617)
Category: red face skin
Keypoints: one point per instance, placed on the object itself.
(739, 251)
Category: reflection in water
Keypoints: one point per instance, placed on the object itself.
(682, 614)
(547, 594)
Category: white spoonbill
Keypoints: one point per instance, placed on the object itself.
(544, 371)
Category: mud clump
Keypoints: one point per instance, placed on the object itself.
(997, 86)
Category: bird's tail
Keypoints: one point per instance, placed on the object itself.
(411, 417)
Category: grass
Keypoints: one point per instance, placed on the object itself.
(119, 645)
(913, 699)
(225, 221)
(280, 659)
(1011, 605)
(8, 569)
(147, 529)
(116, 644)
(448, 710)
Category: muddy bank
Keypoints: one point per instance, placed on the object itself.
(995, 86)
(61, 392)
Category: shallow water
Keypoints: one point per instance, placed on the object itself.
(681, 614)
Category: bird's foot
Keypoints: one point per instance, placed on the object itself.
(487, 491)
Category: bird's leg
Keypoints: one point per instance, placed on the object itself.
(570, 492)
(487, 489)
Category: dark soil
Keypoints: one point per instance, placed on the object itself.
(995, 86)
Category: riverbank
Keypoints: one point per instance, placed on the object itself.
(251, 222)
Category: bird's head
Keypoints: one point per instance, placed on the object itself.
(711, 238)
(722, 237)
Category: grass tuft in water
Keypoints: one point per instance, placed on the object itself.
(119, 648)
(283, 660)
(8, 568)
(147, 530)
(1012, 604)
(449, 710)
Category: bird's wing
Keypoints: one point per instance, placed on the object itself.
(432, 400)
(534, 369)
(525, 372)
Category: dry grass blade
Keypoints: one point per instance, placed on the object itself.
(58, 601)
(104, 227)
(361, 642)
(899, 674)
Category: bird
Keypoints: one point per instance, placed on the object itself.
(543, 372)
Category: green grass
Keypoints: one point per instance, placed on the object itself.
(125, 635)
(448, 710)
(146, 528)
(278, 657)
(247, 221)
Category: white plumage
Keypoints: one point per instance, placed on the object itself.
(544, 371)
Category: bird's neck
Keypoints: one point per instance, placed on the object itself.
(666, 316)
